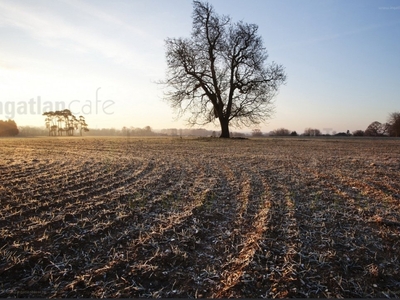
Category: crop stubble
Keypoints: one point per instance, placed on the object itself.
(115, 217)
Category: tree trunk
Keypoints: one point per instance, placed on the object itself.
(224, 128)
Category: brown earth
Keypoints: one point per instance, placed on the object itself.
(116, 217)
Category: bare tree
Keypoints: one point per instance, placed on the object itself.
(394, 124)
(221, 72)
(358, 133)
(311, 132)
(280, 132)
(256, 132)
(83, 125)
(375, 129)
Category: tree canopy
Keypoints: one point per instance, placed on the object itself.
(220, 72)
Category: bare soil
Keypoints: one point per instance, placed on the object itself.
(117, 217)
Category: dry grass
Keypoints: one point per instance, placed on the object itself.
(98, 217)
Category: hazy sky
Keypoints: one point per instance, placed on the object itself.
(102, 59)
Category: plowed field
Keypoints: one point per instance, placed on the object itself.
(117, 217)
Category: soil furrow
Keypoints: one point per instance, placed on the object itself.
(112, 217)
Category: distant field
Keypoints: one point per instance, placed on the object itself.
(163, 217)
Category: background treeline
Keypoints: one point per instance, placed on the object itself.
(375, 129)
(148, 131)
(8, 128)
(132, 131)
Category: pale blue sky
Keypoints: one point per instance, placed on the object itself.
(342, 59)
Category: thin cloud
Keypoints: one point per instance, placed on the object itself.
(336, 36)
(94, 11)
(52, 30)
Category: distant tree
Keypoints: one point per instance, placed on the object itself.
(375, 129)
(51, 122)
(69, 121)
(280, 132)
(394, 124)
(8, 128)
(125, 131)
(220, 73)
(358, 133)
(238, 134)
(147, 129)
(293, 133)
(256, 132)
(341, 134)
(173, 131)
(311, 132)
(82, 124)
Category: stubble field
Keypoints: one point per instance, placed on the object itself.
(117, 217)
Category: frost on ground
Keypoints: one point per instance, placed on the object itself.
(117, 217)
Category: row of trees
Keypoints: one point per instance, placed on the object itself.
(390, 128)
(196, 132)
(8, 128)
(125, 131)
(131, 132)
(60, 121)
(32, 131)
(286, 132)
(148, 131)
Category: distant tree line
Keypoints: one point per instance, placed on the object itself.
(390, 128)
(124, 131)
(32, 131)
(63, 121)
(202, 132)
(8, 128)
(148, 131)
(277, 132)
(133, 131)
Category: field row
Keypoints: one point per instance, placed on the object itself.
(86, 217)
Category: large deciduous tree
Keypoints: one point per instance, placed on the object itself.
(220, 72)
